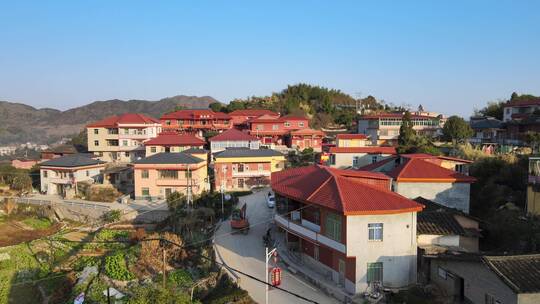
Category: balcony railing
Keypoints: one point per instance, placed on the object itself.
(254, 173)
(306, 232)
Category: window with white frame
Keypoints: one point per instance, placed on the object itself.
(301, 124)
(375, 232)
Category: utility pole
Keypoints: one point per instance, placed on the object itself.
(163, 250)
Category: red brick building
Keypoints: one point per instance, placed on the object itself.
(196, 121)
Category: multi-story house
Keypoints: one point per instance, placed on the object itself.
(240, 118)
(120, 138)
(238, 169)
(356, 157)
(161, 174)
(196, 121)
(352, 140)
(60, 176)
(171, 142)
(233, 138)
(518, 109)
(383, 128)
(306, 138)
(441, 179)
(274, 131)
(348, 226)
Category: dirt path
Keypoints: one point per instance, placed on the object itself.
(13, 233)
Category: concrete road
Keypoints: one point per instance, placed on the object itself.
(246, 253)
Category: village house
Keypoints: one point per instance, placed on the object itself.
(383, 128)
(58, 151)
(240, 169)
(348, 226)
(22, 163)
(171, 142)
(161, 174)
(60, 176)
(441, 179)
(352, 140)
(482, 279)
(196, 121)
(120, 138)
(356, 157)
(287, 131)
(233, 138)
(240, 118)
(440, 228)
(306, 138)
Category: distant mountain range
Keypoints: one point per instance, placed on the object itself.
(20, 123)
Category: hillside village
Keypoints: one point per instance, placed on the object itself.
(357, 201)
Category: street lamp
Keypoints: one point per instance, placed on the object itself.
(268, 256)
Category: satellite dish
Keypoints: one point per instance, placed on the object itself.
(227, 197)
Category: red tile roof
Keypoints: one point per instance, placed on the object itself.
(347, 191)
(195, 114)
(174, 139)
(369, 150)
(128, 118)
(233, 134)
(394, 115)
(351, 136)
(268, 118)
(253, 112)
(421, 170)
(440, 157)
(307, 131)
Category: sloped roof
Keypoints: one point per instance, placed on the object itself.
(169, 158)
(232, 135)
(175, 139)
(347, 191)
(396, 115)
(71, 161)
(486, 123)
(520, 272)
(351, 136)
(420, 170)
(195, 114)
(127, 118)
(245, 152)
(253, 112)
(269, 118)
(307, 131)
(369, 150)
(195, 151)
(438, 223)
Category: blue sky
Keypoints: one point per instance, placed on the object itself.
(450, 56)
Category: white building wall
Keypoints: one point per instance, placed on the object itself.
(218, 146)
(443, 240)
(454, 195)
(397, 250)
(344, 160)
(48, 184)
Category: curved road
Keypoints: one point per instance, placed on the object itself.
(246, 253)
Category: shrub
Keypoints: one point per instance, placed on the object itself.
(116, 268)
(112, 216)
(180, 278)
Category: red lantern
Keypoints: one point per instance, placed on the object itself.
(276, 276)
